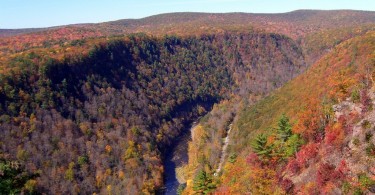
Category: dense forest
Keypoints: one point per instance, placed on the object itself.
(93, 108)
(99, 122)
(314, 135)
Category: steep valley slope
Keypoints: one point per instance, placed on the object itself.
(329, 145)
(92, 108)
(91, 123)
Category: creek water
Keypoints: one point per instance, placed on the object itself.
(176, 156)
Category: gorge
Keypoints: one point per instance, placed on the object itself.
(108, 108)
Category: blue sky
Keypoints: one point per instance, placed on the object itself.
(44, 13)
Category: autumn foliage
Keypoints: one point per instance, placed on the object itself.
(86, 109)
(318, 167)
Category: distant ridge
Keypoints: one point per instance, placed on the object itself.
(316, 18)
(98, 108)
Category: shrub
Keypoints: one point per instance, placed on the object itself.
(370, 150)
(82, 160)
(69, 173)
(355, 96)
(287, 185)
(306, 154)
(342, 170)
(232, 158)
(368, 136)
(366, 124)
(329, 174)
(358, 191)
(253, 159)
(335, 134)
(356, 141)
(365, 181)
(293, 166)
(346, 187)
(324, 174)
(30, 185)
(366, 101)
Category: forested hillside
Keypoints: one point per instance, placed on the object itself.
(92, 108)
(98, 122)
(296, 25)
(312, 136)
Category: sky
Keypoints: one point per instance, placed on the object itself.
(46, 13)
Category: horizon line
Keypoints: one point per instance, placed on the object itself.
(165, 13)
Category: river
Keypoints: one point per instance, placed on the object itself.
(176, 156)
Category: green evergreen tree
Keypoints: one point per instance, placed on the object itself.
(284, 129)
(292, 145)
(13, 177)
(203, 183)
(261, 147)
(288, 143)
